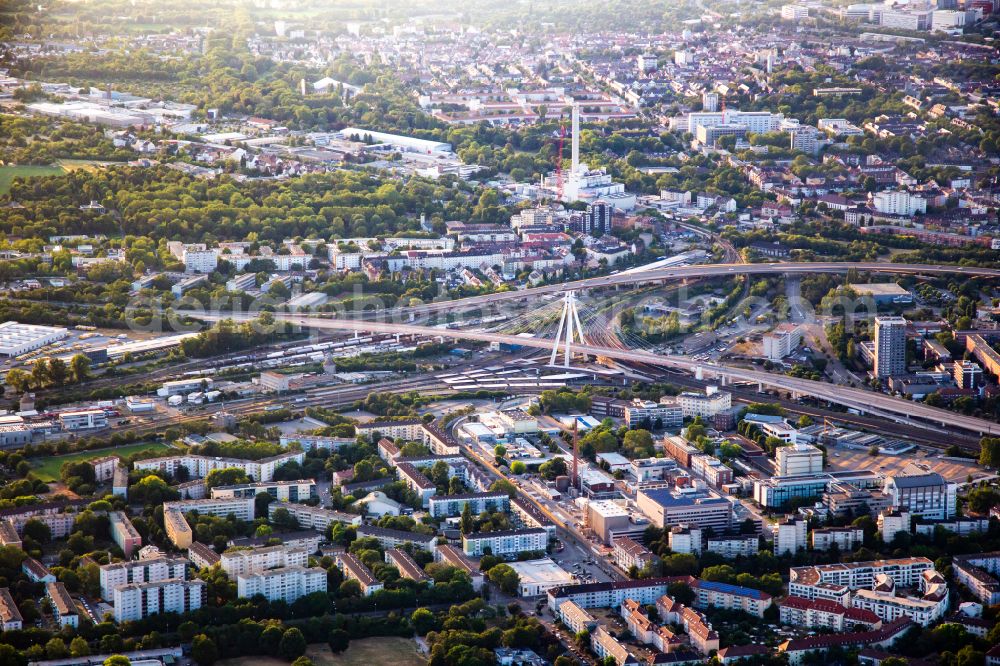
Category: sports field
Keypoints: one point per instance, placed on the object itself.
(47, 469)
(9, 173)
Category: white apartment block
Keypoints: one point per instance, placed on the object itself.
(906, 572)
(136, 601)
(892, 522)
(505, 543)
(198, 467)
(255, 560)
(576, 618)
(845, 538)
(731, 547)
(104, 468)
(782, 341)
(899, 202)
(283, 491)
(313, 517)
(757, 122)
(243, 508)
(922, 611)
(200, 260)
(285, 583)
(152, 570)
(685, 539)
(794, 12)
(453, 505)
(791, 536)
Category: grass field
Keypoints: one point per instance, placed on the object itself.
(47, 469)
(9, 173)
(364, 652)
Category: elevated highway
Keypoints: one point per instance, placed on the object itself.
(683, 273)
(867, 402)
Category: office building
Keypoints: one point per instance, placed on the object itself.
(790, 536)
(284, 583)
(890, 347)
(794, 12)
(505, 543)
(666, 508)
(709, 135)
(639, 413)
(136, 601)
(705, 405)
(83, 419)
(926, 496)
(149, 570)
(798, 459)
(605, 518)
(538, 576)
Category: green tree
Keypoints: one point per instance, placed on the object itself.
(79, 367)
(989, 452)
(504, 577)
(58, 373)
(117, 660)
(293, 644)
(78, 647)
(339, 640)
(203, 650)
(518, 467)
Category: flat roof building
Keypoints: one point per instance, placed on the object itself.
(17, 339)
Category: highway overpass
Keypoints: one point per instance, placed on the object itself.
(689, 272)
(864, 401)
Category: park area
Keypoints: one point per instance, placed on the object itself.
(10, 172)
(47, 469)
(363, 652)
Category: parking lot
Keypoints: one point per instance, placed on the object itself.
(918, 462)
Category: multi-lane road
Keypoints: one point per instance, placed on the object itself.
(863, 400)
(683, 273)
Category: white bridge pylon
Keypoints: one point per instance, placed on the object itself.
(569, 328)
